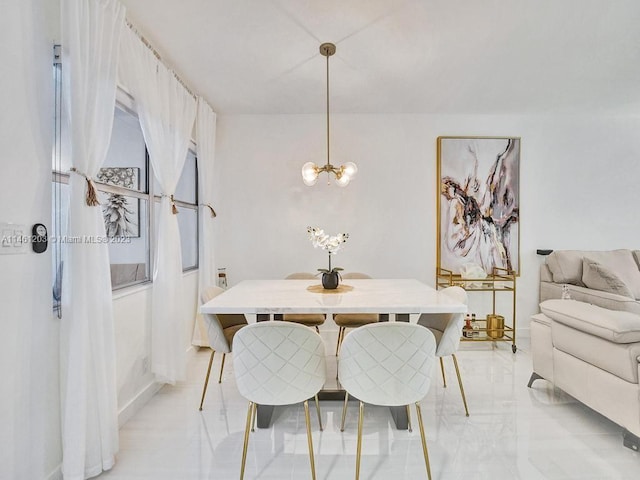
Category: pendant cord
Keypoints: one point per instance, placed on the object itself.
(328, 162)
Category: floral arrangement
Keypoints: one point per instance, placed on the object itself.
(332, 244)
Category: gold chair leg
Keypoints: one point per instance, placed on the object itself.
(409, 418)
(444, 379)
(464, 399)
(254, 415)
(222, 367)
(309, 439)
(246, 439)
(318, 410)
(344, 410)
(340, 335)
(206, 379)
(424, 440)
(359, 450)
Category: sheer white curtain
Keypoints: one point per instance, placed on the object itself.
(91, 31)
(206, 140)
(167, 112)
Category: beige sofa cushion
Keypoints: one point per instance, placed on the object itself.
(599, 277)
(566, 266)
(636, 256)
(612, 325)
(619, 359)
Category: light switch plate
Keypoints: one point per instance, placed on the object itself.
(14, 238)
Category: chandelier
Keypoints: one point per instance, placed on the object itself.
(311, 171)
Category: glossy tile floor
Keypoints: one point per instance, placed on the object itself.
(513, 432)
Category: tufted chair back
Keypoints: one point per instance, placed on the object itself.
(278, 363)
(387, 363)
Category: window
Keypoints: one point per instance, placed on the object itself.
(123, 191)
(186, 199)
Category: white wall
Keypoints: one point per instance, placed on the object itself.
(578, 190)
(29, 405)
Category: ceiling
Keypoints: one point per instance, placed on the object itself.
(401, 56)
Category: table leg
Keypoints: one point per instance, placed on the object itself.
(265, 412)
(399, 415)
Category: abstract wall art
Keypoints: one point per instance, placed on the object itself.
(478, 203)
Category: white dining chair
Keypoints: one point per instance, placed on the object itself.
(221, 328)
(388, 364)
(307, 319)
(352, 320)
(447, 328)
(278, 363)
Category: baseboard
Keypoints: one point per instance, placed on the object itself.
(140, 400)
(136, 403)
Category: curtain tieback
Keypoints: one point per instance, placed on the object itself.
(92, 194)
(213, 212)
(174, 209)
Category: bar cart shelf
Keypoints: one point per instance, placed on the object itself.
(493, 327)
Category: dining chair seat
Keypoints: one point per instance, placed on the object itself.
(352, 320)
(221, 329)
(446, 328)
(306, 319)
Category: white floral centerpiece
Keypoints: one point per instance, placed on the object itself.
(332, 244)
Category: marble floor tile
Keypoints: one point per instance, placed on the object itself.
(513, 432)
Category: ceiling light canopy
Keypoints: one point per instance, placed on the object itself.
(310, 171)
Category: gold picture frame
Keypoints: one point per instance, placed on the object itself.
(478, 203)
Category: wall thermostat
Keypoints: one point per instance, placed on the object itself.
(39, 238)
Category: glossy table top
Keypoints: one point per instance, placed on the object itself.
(399, 296)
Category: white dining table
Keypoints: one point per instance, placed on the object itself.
(394, 299)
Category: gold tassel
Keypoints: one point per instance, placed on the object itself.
(92, 194)
(174, 209)
(91, 197)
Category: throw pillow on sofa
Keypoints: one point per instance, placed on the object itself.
(566, 266)
(599, 277)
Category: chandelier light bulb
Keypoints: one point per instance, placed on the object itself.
(350, 169)
(309, 182)
(309, 173)
(343, 180)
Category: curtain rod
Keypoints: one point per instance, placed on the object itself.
(157, 55)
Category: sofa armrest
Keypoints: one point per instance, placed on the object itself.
(611, 325)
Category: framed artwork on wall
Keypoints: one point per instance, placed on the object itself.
(478, 203)
(121, 213)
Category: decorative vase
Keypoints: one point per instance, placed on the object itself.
(330, 280)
